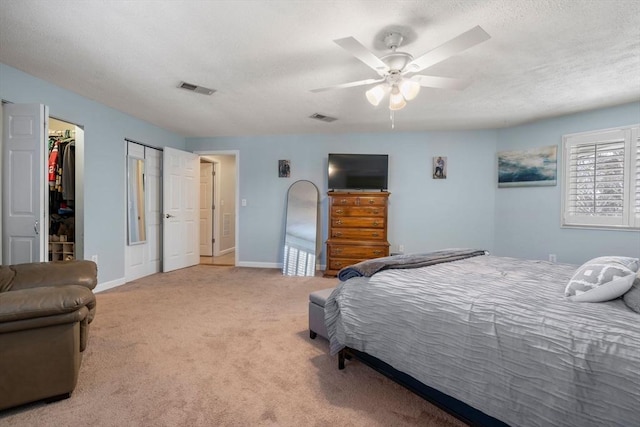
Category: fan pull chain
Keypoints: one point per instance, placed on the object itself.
(392, 116)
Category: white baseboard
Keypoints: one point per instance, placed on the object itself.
(278, 265)
(108, 285)
(259, 264)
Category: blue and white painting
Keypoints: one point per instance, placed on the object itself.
(532, 167)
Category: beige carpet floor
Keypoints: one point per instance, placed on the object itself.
(227, 346)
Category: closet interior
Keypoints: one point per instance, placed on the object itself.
(61, 178)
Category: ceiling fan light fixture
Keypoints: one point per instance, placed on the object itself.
(396, 100)
(395, 66)
(409, 89)
(375, 94)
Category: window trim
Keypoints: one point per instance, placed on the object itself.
(630, 220)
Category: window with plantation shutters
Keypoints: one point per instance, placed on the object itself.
(601, 179)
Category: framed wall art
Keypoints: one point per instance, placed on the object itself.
(284, 168)
(440, 167)
(533, 167)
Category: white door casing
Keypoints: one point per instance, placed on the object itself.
(218, 202)
(24, 204)
(181, 208)
(79, 190)
(206, 209)
(222, 186)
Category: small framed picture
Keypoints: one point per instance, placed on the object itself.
(440, 167)
(284, 168)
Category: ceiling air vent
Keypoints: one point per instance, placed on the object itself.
(322, 117)
(196, 88)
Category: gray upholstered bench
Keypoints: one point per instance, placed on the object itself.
(317, 300)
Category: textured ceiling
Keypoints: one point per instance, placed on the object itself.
(544, 58)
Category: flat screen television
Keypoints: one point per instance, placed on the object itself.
(358, 171)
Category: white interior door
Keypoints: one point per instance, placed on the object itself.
(181, 208)
(24, 205)
(206, 209)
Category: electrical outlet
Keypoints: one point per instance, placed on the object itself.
(94, 258)
(401, 248)
(552, 257)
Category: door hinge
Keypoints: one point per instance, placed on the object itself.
(213, 240)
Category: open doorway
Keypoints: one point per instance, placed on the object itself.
(218, 209)
(65, 207)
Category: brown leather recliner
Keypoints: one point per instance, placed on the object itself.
(45, 311)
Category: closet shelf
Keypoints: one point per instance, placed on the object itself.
(61, 251)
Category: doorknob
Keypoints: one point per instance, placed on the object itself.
(36, 227)
(169, 216)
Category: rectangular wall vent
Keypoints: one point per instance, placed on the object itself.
(322, 117)
(195, 88)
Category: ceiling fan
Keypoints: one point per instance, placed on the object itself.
(397, 69)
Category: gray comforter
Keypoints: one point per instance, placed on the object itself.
(499, 335)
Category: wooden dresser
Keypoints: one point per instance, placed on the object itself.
(357, 228)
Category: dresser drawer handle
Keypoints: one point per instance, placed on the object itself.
(337, 251)
(337, 234)
(375, 235)
(375, 223)
(343, 201)
(377, 252)
(375, 212)
(339, 264)
(371, 201)
(338, 222)
(339, 211)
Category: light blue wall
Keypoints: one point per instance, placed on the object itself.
(465, 210)
(105, 131)
(527, 219)
(424, 213)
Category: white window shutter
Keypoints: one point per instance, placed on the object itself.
(635, 178)
(601, 179)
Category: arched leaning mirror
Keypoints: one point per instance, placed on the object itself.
(301, 229)
(135, 201)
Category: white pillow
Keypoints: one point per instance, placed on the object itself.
(632, 297)
(602, 279)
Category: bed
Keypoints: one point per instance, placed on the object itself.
(496, 336)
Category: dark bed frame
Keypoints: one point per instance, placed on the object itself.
(458, 409)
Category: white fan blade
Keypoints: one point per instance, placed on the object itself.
(441, 82)
(354, 47)
(351, 84)
(464, 41)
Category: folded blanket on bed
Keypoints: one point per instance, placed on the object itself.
(371, 266)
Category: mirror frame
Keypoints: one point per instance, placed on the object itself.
(292, 237)
(136, 207)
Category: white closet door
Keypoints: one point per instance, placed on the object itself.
(24, 229)
(145, 258)
(181, 206)
(136, 254)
